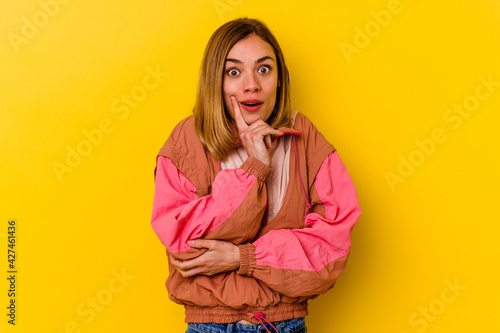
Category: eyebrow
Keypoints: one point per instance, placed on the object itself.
(236, 61)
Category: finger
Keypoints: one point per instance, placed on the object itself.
(202, 243)
(185, 265)
(275, 132)
(263, 132)
(188, 273)
(175, 262)
(262, 126)
(268, 141)
(238, 117)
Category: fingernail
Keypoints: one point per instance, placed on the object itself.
(190, 242)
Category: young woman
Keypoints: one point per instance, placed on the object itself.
(253, 205)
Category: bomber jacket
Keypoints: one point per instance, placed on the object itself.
(294, 257)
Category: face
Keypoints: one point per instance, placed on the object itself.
(251, 75)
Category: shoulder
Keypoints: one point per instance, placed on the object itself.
(312, 144)
(310, 133)
(188, 155)
(183, 130)
(304, 124)
(182, 136)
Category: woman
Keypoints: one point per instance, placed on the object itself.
(253, 205)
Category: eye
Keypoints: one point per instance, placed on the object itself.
(233, 72)
(264, 69)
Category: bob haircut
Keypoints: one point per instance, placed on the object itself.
(214, 126)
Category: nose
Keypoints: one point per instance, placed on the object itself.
(251, 83)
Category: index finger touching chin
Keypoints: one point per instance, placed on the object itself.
(238, 117)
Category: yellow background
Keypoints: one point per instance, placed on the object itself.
(80, 228)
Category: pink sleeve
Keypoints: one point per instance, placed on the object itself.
(306, 262)
(232, 212)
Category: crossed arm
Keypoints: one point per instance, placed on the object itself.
(296, 262)
(223, 256)
(211, 234)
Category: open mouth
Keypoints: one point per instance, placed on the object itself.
(251, 105)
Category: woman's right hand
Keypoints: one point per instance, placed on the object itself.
(256, 137)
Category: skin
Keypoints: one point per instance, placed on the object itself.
(250, 73)
(220, 257)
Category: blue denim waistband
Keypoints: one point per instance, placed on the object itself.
(286, 326)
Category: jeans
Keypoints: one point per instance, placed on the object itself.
(286, 326)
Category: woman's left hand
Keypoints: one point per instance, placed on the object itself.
(221, 256)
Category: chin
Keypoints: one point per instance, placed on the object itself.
(251, 118)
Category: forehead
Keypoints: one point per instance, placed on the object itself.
(251, 48)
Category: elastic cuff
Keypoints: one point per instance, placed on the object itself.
(257, 168)
(247, 259)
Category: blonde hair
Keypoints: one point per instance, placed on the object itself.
(212, 120)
